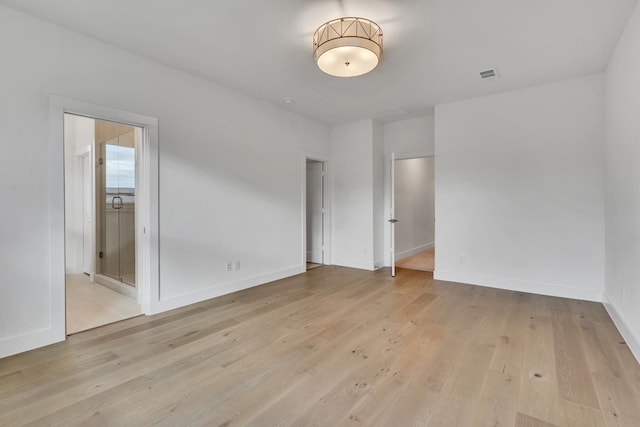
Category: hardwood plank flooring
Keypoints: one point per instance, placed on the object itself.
(423, 261)
(338, 347)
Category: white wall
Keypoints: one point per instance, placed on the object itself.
(230, 175)
(355, 154)
(519, 189)
(414, 203)
(409, 138)
(378, 194)
(622, 283)
(79, 133)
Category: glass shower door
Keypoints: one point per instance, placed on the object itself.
(118, 213)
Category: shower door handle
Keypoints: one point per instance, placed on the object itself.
(113, 202)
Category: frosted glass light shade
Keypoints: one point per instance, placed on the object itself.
(347, 47)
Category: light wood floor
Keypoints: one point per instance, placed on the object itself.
(423, 261)
(312, 265)
(338, 347)
(90, 305)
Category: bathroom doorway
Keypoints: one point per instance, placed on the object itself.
(101, 180)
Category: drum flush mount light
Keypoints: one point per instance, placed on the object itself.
(347, 47)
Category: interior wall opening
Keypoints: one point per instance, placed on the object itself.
(101, 178)
(415, 211)
(315, 211)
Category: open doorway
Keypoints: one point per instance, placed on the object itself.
(101, 181)
(315, 211)
(414, 208)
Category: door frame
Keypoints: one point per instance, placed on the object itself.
(86, 154)
(392, 214)
(326, 218)
(148, 221)
(387, 210)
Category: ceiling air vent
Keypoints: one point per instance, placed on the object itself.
(489, 74)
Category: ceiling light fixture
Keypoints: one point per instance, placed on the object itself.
(347, 47)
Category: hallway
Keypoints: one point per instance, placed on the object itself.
(423, 261)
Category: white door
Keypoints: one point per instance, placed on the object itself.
(87, 204)
(392, 213)
(315, 212)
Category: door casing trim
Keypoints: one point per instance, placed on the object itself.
(148, 224)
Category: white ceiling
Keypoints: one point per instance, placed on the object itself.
(433, 49)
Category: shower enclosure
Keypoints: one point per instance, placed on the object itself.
(116, 182)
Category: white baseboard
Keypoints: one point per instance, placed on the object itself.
(114, 285)
(203, 295)
(550, 289)
(417, 250)
(72, 269)
(29, 341)
(632, 341)
(40, 338)
(352, 263)
(315, 258)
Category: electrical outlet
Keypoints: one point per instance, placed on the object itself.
(237, 264)
(229, 266)
(462, 259)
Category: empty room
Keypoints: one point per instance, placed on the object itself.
(211, 213)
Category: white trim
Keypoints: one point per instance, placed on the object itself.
(391, 223)
(550, 289)
(392, 157)
(147, 201)
(35, 339)
(205, 294)
(57, 322)
(83, 153)
(416, 250)
(326, 256)
(94, 231)
(117, 287)
(415, 155)
(149, 285)
(632, 341)
(355, 263)
(310, 257)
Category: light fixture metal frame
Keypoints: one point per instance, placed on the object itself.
(351, 31)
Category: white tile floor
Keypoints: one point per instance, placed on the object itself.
(90, 305)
